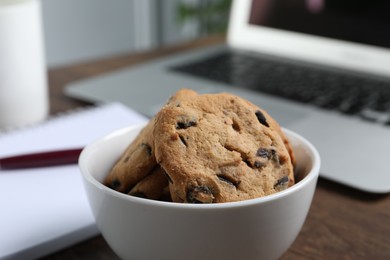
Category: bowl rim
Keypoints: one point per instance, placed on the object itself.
(87, 176)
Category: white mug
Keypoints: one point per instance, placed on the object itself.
(23, 75)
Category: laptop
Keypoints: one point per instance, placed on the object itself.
(320, 67)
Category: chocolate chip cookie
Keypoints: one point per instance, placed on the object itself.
(137, 172)
(153, 186)
(136, 162)
(220, 148)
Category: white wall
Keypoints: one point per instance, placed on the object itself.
(81, 30)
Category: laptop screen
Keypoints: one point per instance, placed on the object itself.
(360, 21)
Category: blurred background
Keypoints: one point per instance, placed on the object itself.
(79, 31)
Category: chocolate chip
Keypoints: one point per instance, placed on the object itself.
(148, 148)
(115, 184)
(267, 153)
(275, 156)
(258, 164)
(255, 164)
(228, 180)
(185, 124)
(263, 153)
(281, 183)
(199, 194)
(261, 118)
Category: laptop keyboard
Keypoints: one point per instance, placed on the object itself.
(348, 93)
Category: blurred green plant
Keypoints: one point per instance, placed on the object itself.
(212, 15)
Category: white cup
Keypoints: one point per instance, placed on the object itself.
(23, 76)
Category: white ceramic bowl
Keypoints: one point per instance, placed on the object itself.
(137, 228)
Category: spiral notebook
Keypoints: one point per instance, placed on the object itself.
(44, 210)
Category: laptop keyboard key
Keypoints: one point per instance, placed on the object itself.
(375, 116)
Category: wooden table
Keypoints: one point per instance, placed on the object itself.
(343, 223)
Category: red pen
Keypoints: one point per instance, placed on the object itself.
(41, 159)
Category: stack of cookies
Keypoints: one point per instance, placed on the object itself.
(208, 148)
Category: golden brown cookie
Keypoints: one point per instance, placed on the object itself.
(136, 162)
(220, 148)
(131, 173)
(153, 186)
